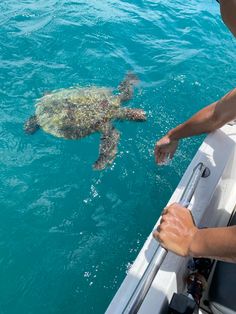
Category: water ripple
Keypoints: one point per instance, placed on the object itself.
(68, 232)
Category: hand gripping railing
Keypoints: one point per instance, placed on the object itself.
(150, 272)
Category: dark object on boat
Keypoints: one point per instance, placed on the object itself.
(182, 304)
(222, 293)
(196, 283)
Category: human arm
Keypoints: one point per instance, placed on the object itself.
(228, 14)
(206, 120)
(178, 233)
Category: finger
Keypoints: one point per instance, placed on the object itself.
(165, 211)
(158, 155)
(158, 229)
(156, 149)
(171, 155)
(162, 158)
(156, 234)
(164, 219)
(157, 237)
(178, 209)
(165, 158)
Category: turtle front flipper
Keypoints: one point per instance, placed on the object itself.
(126, 87)
(132, 114)
(31, 125)
(108, 147)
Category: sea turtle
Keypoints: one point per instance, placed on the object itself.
(76, 112)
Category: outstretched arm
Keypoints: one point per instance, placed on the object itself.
(206, 120)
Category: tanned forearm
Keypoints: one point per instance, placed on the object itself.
(217, 243)
(208, 119)
(228, 9)
(201, 122)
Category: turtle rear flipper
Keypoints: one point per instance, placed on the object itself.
(126, 87)
(31, 125)
(108, 147)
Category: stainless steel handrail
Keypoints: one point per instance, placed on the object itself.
(154, 265)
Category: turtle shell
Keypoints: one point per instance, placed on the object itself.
(75, 112)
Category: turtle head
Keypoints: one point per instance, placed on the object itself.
(132, 78)
(31, 125)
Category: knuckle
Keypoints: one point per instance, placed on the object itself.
(155, 234)
(163, 219)
(162, 237)
(163, 225)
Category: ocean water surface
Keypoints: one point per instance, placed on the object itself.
(68, 233)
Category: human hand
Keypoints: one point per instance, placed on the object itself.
(176, 230)
(164, 149)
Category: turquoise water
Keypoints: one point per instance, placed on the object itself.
(68, 234)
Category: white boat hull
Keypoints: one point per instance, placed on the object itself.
(211, 205)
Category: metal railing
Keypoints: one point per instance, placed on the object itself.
(160, 253)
